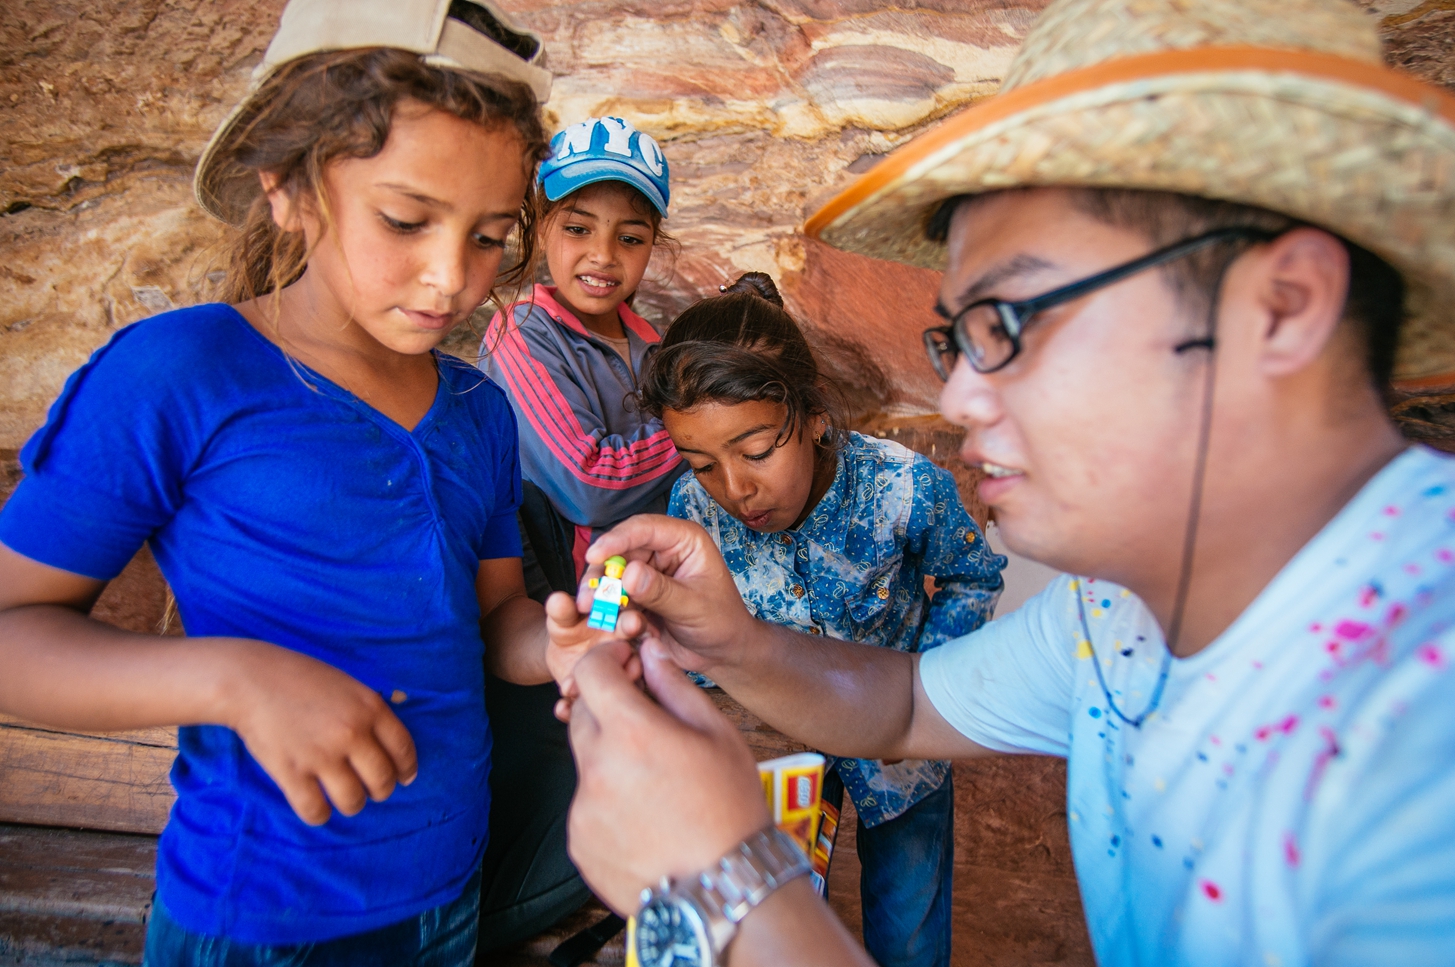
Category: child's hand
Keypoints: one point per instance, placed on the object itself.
(570, 636)
(321, 735)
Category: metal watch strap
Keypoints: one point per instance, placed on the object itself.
(743, 879)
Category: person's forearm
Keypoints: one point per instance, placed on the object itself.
(63, 669)
(515, 642)
(844, 698)
(794, 928)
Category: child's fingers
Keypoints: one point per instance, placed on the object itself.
(396, 741)
(343, 788)
(306, 798)
(562, 609)
(584, 590)
(375, 770)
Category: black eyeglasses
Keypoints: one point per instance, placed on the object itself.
(988, 332)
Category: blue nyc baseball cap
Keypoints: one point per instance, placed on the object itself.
(606, 149)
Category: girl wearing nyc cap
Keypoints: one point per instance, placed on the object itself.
(570, 357)
(332, 501)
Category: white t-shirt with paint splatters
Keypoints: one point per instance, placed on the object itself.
(1292, 800)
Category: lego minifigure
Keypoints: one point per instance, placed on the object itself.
(608, 601)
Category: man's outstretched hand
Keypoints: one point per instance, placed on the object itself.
(663, 789)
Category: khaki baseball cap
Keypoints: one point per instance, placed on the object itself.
(466, 35)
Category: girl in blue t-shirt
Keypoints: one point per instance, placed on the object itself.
(331, 500)
(831, 533)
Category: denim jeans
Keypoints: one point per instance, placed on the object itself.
(442, 937)
(905, 883)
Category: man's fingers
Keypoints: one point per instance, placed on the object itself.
(630, 623)
(642, 536)
(605, 685)
(675, 691)
(396, 741)
(648, 587)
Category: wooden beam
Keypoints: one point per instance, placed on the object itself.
(116, 781)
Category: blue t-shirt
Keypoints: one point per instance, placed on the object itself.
(281, 508)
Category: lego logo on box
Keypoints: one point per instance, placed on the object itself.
(792, 785)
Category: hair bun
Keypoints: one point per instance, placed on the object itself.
(759, 284)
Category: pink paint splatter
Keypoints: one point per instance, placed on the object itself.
(1329, 752)
(1258, 665)
(1397, 612)
(1211, 677)
(1316, 627)
(1432, 654)
(1376, 536)
(1412, 568)
(1368, 595)
(1391, 511)
(1444, 556)
(1290, 849)
(1352, 630)
(1227, 768)
(1215, 740)
(1210, 889)
(1326, 701)
(1264, 732)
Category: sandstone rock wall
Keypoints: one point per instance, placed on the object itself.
(765, 109)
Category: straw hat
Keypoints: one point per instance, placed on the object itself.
(1282, 104)
(475, 36)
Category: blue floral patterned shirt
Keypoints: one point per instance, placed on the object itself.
(855, 570)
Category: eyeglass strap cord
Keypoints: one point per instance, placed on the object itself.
(1194, 511)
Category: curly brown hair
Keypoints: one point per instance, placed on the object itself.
(340, 104)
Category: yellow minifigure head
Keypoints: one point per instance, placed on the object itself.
(614, 566)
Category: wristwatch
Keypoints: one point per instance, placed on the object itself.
(690, 922)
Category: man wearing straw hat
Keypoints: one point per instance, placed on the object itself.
(1185, 249)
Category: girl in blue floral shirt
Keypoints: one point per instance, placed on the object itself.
(833, 533)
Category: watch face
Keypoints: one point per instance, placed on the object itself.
(670, 935)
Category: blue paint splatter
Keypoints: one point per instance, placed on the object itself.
(1157, 841)
(1116, 841)
(1094, 712)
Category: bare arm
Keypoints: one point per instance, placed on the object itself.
(521, 645)
(513, 626)
(844, 698)
(317, 732)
